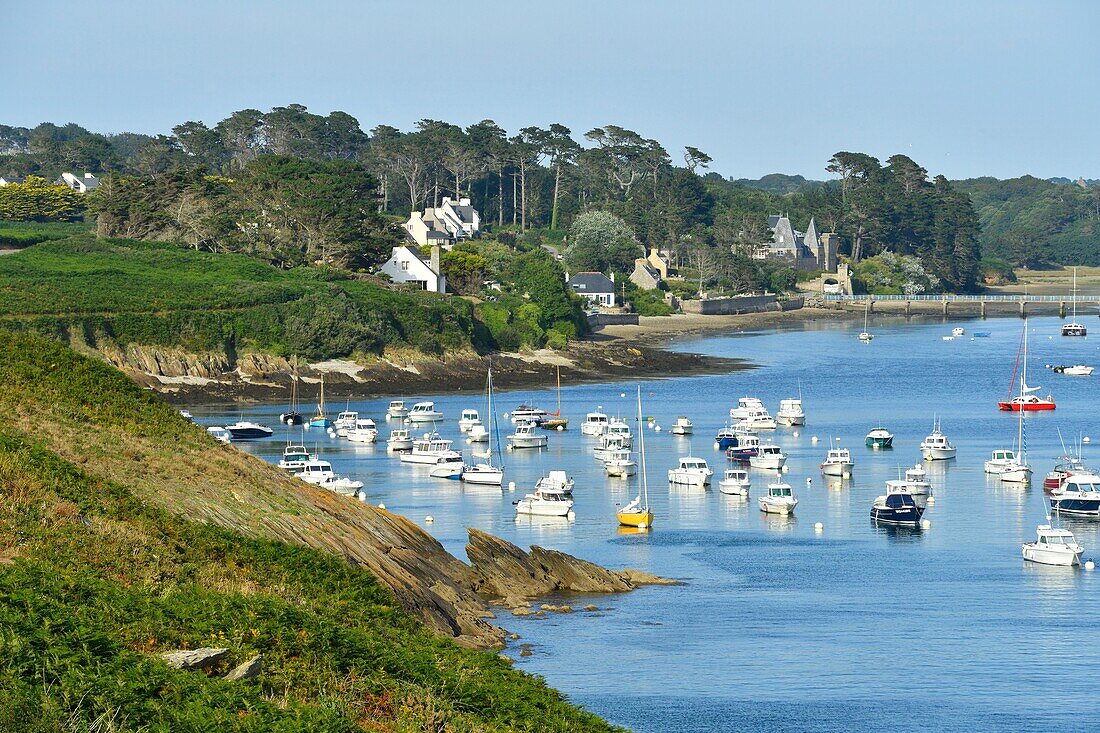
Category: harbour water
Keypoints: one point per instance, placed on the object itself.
(778, 626)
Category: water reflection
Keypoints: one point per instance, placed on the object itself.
(897, 533)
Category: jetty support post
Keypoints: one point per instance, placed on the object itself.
(945, 307)
(981, 307)
(908, 307)
(1062, 309)
(1023, 308)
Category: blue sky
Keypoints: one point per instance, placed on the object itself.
(966, 88)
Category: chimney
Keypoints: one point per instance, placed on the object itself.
(435, 259)
(612, 276)
(88, 175)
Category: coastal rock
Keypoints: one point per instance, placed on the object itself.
(502, 572)
(194, 658)
(247, 670)
(640, 577)
(591, 607)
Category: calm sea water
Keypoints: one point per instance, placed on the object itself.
(780, 627)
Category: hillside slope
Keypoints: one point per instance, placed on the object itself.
(126, 531)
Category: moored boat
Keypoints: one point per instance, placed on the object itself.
(547, 502)
(790, 413)
(779, 499)
(448, 465)
(726, 438)
(1066, 466)
(556, 481)
(936, 447)
(595, 423)
(468, 419)
(682, 426)
(747, 446)
(246, 430)
(1025, 400)
(768, 456)
(838, 462)
(400, 440)
(637, 512)
(427, 449)
(620, 463)
(691, 471)
(320, 419)
(294, 458)
(397, 410)
(424, 412)
(744, 405)
(1073, 328)
(526, 436)
(880, 438)
(735, 481)
(897, 506)
(1079, 496)
(364, 431)
(1053, 547)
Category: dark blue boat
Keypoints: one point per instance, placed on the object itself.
(747, 447)
(725, 438)
(897, 507)
(981, 334)
(1078, 496)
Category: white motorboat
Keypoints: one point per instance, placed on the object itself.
(620, 463)
(735, 481)
(1053, 547)
(958, 331)
(526, 435)
(595, 424)
(769, 456)
(682, 426)
(397, 410)
(400, 440)
(478, 433)
(609, 445)
(758, 420)
(528, 413)
(219, 433)
(838, 462)
(484, 473)
(448, 465)
(619, 429)
(341, 485)
(998, 460)
(294, 458)
(556, 481)
(691, 472)
(186, 414)
(936, 447)
(316, 471)
(245, 430)
(364, 431)
(1079, 495)
(545, 502)
(916, 480)
(344, 422)
(779, 499)
(1077, 370)
(424, 412)
(468, 420)
(790, 413)
(744, 405)
(896, 506)
(427, 449)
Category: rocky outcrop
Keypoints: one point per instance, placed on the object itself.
(501, 572)
(247, 670)
(194, 658)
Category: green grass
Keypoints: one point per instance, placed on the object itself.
(161, 295)
(24, 234)
(95, 582)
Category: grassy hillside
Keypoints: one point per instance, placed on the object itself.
(103, 565)
(161, 295)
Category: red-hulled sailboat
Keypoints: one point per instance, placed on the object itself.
(1026, 400)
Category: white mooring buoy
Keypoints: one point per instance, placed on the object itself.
(813, 439)
(381, 505)
(926, 523)
(429, 519)
(818, 527)
(1090, 565)
(511, 485)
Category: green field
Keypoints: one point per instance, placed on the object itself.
(95, 582)
(161, 295)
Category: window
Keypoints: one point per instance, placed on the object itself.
(405, 265)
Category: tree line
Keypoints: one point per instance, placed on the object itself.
(220, 186)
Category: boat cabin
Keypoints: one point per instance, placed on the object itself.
(694, 464)
(469, 416)
(431, 443)
(780, 490)
(1003, 456)
(770, 450)
(736, 474)
(1082, 482)
(423, 408)
(317, 468)
(838, 455)
(396, 406)
(348, 417)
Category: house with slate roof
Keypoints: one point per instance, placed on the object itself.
(807, 250)
(81, 185)
(11, 180)
(407, 265)
(444, 225)
(595, 286)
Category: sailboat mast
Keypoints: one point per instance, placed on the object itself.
(1075, 295)
(641, 443)
(490, 417)
(558, 413)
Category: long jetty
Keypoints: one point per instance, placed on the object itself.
(958, 304)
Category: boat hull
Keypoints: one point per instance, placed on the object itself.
(837, 469)
(621, 471)
(1026, 407)
(769, 505)
(938, 454)
(771, 463)
(641, 520)
(249, 433)
(483, 476)
(688, 479)
(320, 422)
(880, 442)
(420, 417)
(291, 418)
(1087, 507)
(680, 430)
(791, 420)
(1050, 556)
(906, 515)
(421, 458)
(733, 488)
(544, 508)
(537, 441)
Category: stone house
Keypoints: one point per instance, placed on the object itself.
(807, 250)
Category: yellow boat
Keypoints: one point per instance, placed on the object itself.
(637, 513)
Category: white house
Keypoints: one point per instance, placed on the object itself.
(406, 265)
(81, 185)
(444, 225)
(597, 287)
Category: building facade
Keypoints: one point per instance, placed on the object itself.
(407, 265)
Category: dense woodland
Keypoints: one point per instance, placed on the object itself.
(294, 187)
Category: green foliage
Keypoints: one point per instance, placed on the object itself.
(601, 242)
(24, 234)
(890, 274)
(104, 582)
(161, 295)
(556, 340)
(465, 269)
(997, 272)
(1033, 223)
(35, 200)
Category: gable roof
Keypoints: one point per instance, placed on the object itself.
(592, 282)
